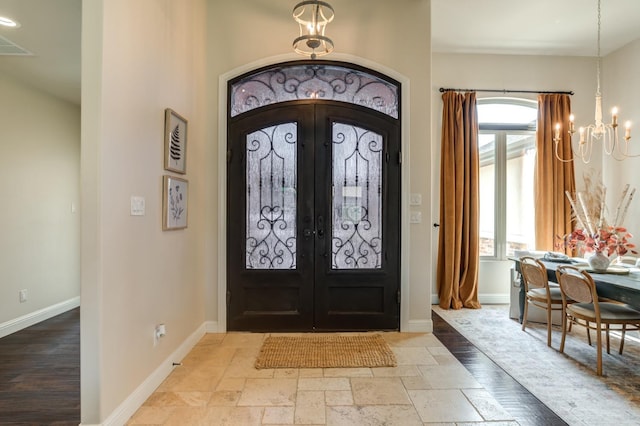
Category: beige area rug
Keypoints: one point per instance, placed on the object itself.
(566, 383)
(328, 351)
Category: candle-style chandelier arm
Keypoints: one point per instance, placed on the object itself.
(582, 151)
(605, 133)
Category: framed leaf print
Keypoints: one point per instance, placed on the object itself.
(175, 141)
(175, 201)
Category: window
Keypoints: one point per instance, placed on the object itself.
(314, 80)
(507, 144)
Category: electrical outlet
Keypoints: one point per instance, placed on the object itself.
(23, 295)
(159, 332)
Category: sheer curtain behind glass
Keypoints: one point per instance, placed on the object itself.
(520, 192)
(458, 244)
(553, 177)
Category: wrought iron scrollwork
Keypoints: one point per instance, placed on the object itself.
(271, 198)
(357, 198)
(320, 81)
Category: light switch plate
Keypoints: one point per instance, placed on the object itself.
(415, 217)
(137, 206)
(415, 199)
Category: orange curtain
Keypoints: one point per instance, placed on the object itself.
(458, 244)
(553, 176)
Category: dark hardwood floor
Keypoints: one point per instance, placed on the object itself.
(516, 399)
(40, 373)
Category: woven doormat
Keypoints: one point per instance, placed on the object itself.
(325, 351)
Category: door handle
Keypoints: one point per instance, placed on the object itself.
(307, 232)
(320, 227)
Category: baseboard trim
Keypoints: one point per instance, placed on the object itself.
(419, 326)
(20, 323)
(212, 327)
(494, 299)
(129, 406)
(486, 298)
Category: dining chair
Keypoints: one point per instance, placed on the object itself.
(538, 291)
(585, 305)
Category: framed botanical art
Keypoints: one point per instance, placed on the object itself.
(175, 202)
(175, 142)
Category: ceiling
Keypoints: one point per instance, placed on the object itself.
(533, 27)
(50, 30)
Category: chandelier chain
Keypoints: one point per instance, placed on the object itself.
(599, 26)
(599, 64)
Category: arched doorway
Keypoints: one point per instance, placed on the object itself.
(313, 199)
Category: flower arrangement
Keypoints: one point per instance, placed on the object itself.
(608, 240)
(593, 233)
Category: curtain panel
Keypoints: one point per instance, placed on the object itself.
(553, 215)
(458, 243)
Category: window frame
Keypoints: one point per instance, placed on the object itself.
(500, 132)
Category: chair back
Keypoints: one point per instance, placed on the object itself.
(576, 284)
(534, 273)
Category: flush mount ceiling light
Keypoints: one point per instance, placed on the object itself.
(597, 132)
(313, 16)
(6, 22)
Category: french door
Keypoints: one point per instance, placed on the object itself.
(313, 229)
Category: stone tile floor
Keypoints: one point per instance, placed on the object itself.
(218, 385)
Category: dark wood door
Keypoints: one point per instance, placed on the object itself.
(313, 213)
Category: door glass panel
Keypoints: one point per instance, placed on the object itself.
(356, 198)
(271, 197)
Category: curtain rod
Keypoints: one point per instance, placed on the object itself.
(448, 89)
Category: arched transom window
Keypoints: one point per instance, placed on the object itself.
(315, 80)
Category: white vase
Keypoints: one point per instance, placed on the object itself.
(598, 261)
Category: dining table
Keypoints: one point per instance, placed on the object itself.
(619, 283)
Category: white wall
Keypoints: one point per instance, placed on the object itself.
(141, 57)
(537, 73)
(375, 31)
(40, 168)
(138, 59)
(621, 88)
